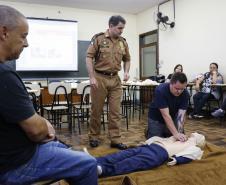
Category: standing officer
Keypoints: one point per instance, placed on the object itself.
(103, 60)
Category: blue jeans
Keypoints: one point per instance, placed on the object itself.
(223, 106)
(134, 159)
(54, 161)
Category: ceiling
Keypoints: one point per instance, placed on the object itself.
(121, 6)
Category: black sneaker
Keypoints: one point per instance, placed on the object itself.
(191, 116)
(94, 143)
(120, 146)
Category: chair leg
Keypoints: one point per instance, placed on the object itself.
(79, 126)
(126, 114)
(103, 120)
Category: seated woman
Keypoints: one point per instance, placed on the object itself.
(206, 90)
(153, 153)
(177, 68)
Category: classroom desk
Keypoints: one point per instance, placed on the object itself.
(144, 93)
(190, 86)
(32, 91)
(218, 85)
(74, 85)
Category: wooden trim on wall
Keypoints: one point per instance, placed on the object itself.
(151, 44)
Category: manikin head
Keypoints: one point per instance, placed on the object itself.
(199, 138)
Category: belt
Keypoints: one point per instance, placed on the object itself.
(107, 73)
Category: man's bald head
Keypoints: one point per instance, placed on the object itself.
(9, 17)
(13, 33)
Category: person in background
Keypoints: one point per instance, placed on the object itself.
(29, 151)
(167, 110)
(205, 90)
(153, 153)
(104, 56)
(177, 68)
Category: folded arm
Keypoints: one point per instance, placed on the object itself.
(38, 129)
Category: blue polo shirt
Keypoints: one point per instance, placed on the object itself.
(163, 98)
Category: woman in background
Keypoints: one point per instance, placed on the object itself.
(177, 68)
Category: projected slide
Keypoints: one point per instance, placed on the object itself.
(52, 46)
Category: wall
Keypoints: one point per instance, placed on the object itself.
(90, 22)
(197, 39)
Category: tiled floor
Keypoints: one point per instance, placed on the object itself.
(214, 131)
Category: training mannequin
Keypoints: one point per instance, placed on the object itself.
(154, 152)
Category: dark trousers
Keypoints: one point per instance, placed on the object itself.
(200, 100)
(134, 159)
(223, 106)
(157, 128)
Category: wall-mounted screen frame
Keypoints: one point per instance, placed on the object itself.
(53, 46)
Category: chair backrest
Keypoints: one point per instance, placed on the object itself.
(60, 91)
(81, 86)
(59, 88)
(34, 87)
(85, 98)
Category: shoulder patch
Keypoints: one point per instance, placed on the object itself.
(123, 38)
(96, 35)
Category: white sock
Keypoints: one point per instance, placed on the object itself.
(99, 170)
(85, 150)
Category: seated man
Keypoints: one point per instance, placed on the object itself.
(205, 90)
(155, 152)
(28, 150)
(220, 112)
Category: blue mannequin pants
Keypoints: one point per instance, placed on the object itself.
(134, 159)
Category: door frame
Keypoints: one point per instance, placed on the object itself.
(141, 46)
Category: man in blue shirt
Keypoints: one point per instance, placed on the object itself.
(168, 108)
(28, 150)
